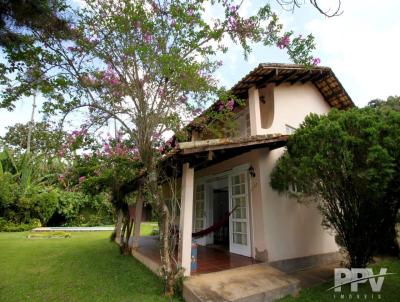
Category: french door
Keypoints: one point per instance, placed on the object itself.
(240, 219)
(199, 213)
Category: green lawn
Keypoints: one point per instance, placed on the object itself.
(86, 267)
(390, 290)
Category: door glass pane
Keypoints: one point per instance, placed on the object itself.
(237, 238)
(239, 227)
(199, 224)
(239, 216)
(199, 210)
(244, 239)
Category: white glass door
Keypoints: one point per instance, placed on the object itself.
(239, 227)
(199, 213)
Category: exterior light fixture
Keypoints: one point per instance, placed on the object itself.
(252, 172)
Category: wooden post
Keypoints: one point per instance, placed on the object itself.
(138, 220)
(186, 219)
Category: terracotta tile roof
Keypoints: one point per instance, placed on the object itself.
(322, 77)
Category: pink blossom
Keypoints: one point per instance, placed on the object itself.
(284, 42)
(147, 38)
(118, 149)
(233, 23)
(183, 99)
(61, 177)
(316, 61)
(82, 179)
(233, 8)
(173, 22)
(161, 92)
(230, 104)
(106, 148)
(61, 153)
(110, 76)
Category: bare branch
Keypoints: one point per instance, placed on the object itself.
(291, 5)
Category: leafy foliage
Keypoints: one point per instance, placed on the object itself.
(18, 16)
(9, 226)
(349, 164)
(46, 139)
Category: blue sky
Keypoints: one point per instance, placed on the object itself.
(361, 46)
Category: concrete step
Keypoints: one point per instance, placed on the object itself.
(255, 283)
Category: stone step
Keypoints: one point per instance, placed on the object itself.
(255, 283)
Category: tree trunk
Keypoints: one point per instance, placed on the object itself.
(126, 234)
(118, 225)
(165, 250)
(31, 124)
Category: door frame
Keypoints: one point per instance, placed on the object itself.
(208, 206)
(245, 250)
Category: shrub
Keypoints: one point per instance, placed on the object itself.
(80, 209)
(8, 226)
(38, 202)
(348, 163)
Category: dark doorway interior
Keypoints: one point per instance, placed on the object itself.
(220, 208)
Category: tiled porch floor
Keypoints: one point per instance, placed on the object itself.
(208, 260)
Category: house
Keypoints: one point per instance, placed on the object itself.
(233, 173)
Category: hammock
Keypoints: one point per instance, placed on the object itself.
(216, 226)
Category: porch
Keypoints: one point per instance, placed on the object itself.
(206, 200)
(209, 259)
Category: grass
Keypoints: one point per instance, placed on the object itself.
(85, 267)
(390, 290)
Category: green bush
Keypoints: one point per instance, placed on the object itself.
(8, 226)
(79, 209)
(8, 193)
(38, 202)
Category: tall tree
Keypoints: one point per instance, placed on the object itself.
(46, 139)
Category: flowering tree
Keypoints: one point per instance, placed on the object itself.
(102, 166)
(148, 65)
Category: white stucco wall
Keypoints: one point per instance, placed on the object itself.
(281, 227)
(292, 230)
(290, 103)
